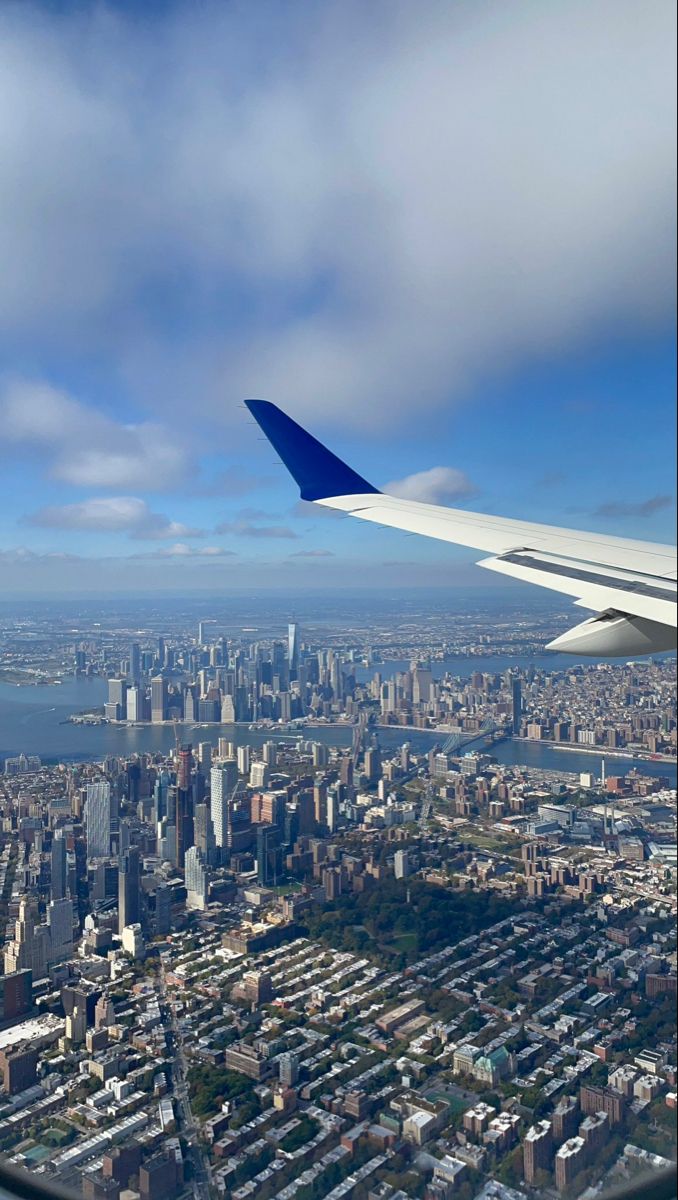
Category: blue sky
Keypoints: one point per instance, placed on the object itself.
(442, 239)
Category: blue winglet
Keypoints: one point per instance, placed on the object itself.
(319, 473)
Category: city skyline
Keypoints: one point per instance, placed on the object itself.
(456, 349)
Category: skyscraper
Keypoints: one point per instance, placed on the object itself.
(196, 879)
(128, 888)
(135, 662)
(203, 833)
(185, 767)
(163, 909)
(158, 699)
(184, 798)
(60, 925)
(30, 947)
(134, 704)
(517, 704)
(401, 864)
(537, 1150)
(59, 866)
(117, 698)
(332, 809)
(223, 780)
(205, 757)
(98, 819)
(293, 649)
(269, 856)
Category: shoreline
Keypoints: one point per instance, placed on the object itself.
(599, 751)
(281, 732)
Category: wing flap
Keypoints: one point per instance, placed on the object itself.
(624, 592)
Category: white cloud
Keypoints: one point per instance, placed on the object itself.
(112, 514)
(183, 550)
(83, 446)
(18, 555)
(397, 199)
(245, 529)
(438, 485)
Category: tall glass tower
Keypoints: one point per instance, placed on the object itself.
(293, 649)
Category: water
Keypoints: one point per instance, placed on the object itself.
(31, 721)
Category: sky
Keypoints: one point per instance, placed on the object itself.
(442, 236)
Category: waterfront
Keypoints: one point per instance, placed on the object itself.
(34, 720)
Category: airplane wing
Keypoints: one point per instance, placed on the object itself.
(629, 585)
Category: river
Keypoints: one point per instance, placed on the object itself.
(32, 722)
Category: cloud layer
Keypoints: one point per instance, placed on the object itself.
(356, 210)
(438, 485)
(83, 446)
(112, 514)
(629, 508)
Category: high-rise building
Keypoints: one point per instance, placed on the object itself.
(516, 704)
(259, 774)
(565, 1119)
(203, 833)
(158, 699)
(117, 698)
(128, 889)
(60, 926)
(185, 767)
(16, 994)
(320, 804)
(401, 864)
(137, 704)
(422, 685)
(332, 809)
(135, 662)
(184, 825)
(98, 819)
(570, 1160)
(223, 780)
(167, 841)
(293, 650)
(269, 855)
(196, 879)
(321, 754)
(537, 1150)
(599, 1099)
(346, 770)
(288, 1068)
(30, 947)
(272, 809)
(184, 803)
(373, 764)
(205, 757)
(18, 1064)
(163, 909)
(59, 867)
